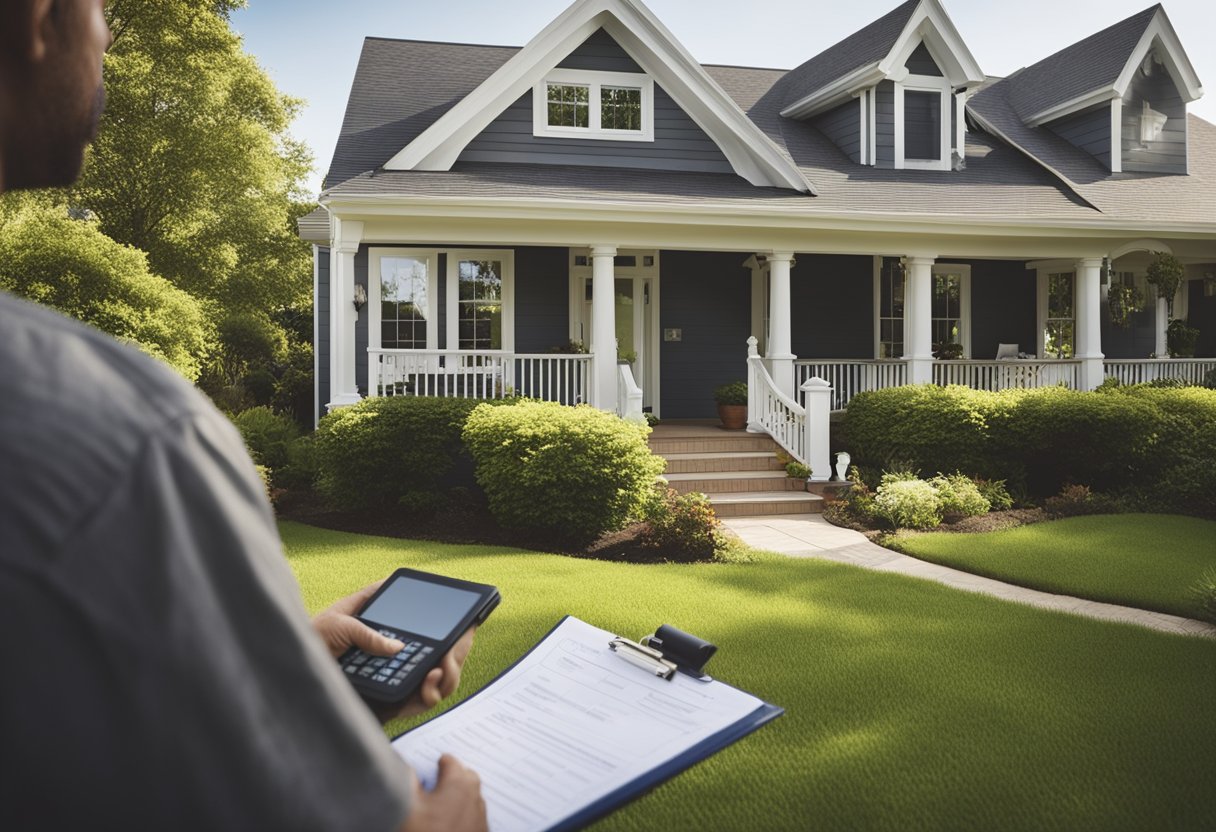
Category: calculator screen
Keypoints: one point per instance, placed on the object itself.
(420, 607)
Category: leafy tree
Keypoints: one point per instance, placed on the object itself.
(193, 163)
(49, 257)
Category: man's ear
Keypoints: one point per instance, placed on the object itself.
(40, 28)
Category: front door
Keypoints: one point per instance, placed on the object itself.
(635, 298)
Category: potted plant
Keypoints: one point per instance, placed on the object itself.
(948, 352)
(732, 405)
(1180, 339)
(1166, 273)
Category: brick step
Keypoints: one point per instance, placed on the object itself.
(733, 461)
(727, 482)
(762, 503)
(725, 444)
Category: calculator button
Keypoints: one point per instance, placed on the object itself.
(394, 682)
(395, 663)
(379, 677)
(350, 668)
(359, 658)
(426, 650)
(379, 661)
(366, 671)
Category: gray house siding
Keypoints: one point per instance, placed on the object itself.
(708, 296)
(884, 123)
(679, 144)
(1201, 314)
(321, 319)
(1003, 306)
(1089, 131)
(843, 126)
(1167, 154)
(832, 298)
(542, 299)
(920, 62)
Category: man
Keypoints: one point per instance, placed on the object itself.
(159, 670)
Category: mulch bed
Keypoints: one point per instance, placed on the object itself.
(990, 522)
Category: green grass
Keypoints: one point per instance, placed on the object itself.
(1150, 561)
(908, 705)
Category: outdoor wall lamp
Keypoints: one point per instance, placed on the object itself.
(360, 296)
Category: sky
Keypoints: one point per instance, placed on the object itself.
(311, 47)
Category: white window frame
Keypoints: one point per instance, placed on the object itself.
(878, 312)
(964, 301)
(923, 83)
(507, 257)
(595, 82)
(1044, 272)
(374, 256)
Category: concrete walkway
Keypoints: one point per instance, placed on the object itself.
(810, 536)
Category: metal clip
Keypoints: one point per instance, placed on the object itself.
(644, 657)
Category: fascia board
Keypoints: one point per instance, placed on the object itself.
(1175, 58)
(550, 210)
(1074, 105)
(967, 69)
(840, 90)
(753, 155)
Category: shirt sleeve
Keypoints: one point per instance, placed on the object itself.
(188, 689)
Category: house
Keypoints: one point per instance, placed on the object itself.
(598, 217)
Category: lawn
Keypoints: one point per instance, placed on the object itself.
(1149, 561)
(908, 705)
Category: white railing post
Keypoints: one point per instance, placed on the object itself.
(780, 352)
(817, 399)
(753, 388)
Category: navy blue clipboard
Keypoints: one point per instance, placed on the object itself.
(647, 782)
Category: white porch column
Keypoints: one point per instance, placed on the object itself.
(780, 356)
(603, 328)
(918, 319)
(343, 389)
(1161, 319)
(1089, 317)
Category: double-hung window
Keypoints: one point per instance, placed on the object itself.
(1060, 323)
(617, 106)
(951, 308)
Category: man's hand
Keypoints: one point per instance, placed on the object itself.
(454, 805)
(340, 631)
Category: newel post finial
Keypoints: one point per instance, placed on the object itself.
(752, 351)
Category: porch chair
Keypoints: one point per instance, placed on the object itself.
(1007, 352)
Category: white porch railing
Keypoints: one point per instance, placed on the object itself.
(1139, 371)
(628, 394)
(849, 377)
(771, 411)
(479, 375)
(1007, 375)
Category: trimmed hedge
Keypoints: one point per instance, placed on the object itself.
(563, 474)
(1154, 444)
(383, 451)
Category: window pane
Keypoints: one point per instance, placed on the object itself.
(403, 303)
(569, 105)
(922, 125)
(480, 298)
(620, 108)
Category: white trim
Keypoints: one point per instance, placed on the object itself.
(873, 96)
(595, 82)
(960, 124)
(864, 137)
(877, 306)
(316, 336)
(1073, 105)
(452, 287)
(752, 154)
(374, 255)
(1116, 135)
(898, 96)
(1044, 269)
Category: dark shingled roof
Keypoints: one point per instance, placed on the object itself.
(865, 46)
(402, 87)
(1085, 66)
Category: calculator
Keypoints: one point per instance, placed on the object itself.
(428, 613)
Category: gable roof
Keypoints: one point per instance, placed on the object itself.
(878, 52)
(752, 155)
(1099, 68)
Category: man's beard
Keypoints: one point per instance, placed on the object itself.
(49, 152)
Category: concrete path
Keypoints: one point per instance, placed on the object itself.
(810, 536)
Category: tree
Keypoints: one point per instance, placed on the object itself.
(49, 257)
(193, 163)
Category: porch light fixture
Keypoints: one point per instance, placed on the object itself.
(360, 299)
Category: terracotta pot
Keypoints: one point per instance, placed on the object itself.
(733, 416)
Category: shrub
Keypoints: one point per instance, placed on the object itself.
(300, 472)
(372, 454)
(683, 528)
(908, 504)
(995, 492)
(798, 471)
(959, 497)
(734, 393)
(267, 435)
(1209, 379)
(858, 501)
(1073, 500)
(1204, 593)
(564, 474)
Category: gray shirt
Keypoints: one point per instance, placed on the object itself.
(157, 667)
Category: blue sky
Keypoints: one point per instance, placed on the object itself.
(311, 47)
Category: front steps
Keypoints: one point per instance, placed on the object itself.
(738, 471)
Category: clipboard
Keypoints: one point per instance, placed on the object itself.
(683, 651)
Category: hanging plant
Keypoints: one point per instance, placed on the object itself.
(1166, 273)
(1124, 301)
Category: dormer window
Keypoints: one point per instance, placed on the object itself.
(922, 123)
(617, 106)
